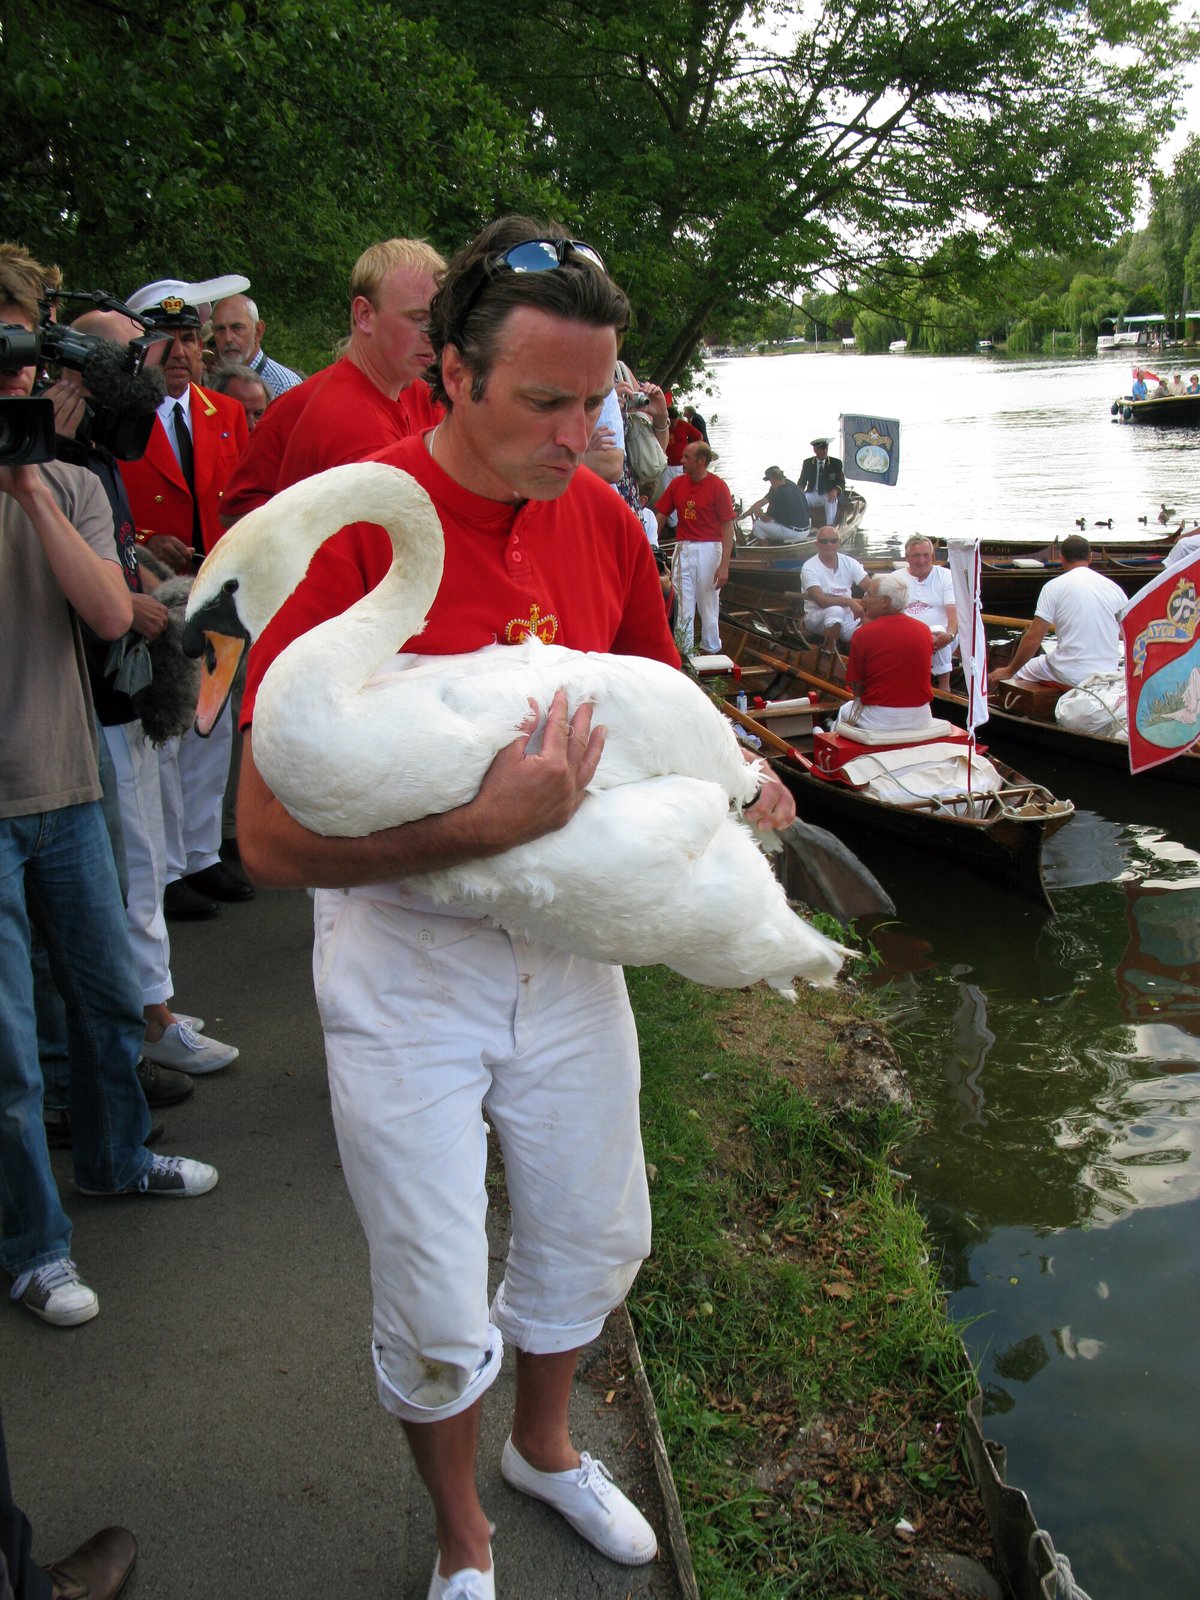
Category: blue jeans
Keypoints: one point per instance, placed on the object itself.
(57, 872)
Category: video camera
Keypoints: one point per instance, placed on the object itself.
(124, 393)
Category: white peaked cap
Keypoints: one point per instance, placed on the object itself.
(205, 294)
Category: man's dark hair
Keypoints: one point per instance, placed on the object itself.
(1076, 548)
(472, 305)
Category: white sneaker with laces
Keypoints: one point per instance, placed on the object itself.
(196, 1024)
(467, 1584)
(56, 1294)
(590, 1501)
(186, 1050)
(177, 1177)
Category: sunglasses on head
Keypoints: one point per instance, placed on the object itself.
(533, 255)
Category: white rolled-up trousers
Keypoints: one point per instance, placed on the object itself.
(432, 1021)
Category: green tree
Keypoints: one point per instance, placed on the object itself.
(281, 139)
(724, 150)
(1174, 221)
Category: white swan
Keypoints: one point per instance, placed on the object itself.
(352, 738)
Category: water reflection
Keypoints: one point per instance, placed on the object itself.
(1059, 1061)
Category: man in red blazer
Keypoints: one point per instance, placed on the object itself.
(175, 489)
(175, 494)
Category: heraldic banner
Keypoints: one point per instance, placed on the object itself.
(871, 448)
(1162, 666)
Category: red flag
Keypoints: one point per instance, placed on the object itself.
(1162, 666)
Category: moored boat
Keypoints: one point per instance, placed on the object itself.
(998, 833)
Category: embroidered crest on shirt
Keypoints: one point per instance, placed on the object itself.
(535, 625)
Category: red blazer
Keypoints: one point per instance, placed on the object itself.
(157, 491)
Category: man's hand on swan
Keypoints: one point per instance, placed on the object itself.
(523, 795)
(775, 807)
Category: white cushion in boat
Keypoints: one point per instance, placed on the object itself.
(719, 663)
(1027, 561)
(935, 728)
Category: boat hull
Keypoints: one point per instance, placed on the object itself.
(1167, 411)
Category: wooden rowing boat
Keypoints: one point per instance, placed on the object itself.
(999, 836)
(1009, 584)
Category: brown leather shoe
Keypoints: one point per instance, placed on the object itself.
(98, 1570)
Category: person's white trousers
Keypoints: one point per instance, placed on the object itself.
(696, 562)
(432, 1020)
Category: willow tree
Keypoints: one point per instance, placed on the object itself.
(722, 150)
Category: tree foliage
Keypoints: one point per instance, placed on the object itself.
(722, 150)
(1175, 227)
(280, 139)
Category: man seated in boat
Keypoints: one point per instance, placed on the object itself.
(889, 669)
(931, 601)
(1082, 607)
(786, 510)
(830, 580)
(1139, 391)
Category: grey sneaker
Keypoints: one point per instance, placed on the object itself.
(56, 1294)
(185, 1050)
(173, 1176)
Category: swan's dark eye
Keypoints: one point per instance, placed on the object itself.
(230, 586)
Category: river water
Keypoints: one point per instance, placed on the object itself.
(1058, 1057)
(988, 446)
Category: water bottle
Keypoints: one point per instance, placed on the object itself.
(742, 702)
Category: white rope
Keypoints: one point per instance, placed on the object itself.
(1065, 1587)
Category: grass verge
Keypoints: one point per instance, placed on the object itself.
(808, 1383)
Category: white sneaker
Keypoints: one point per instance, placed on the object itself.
(186, 1050)
(176, 1177)
(591, 1503)
(196, 1024)
(467, 1584)
(56, 1294)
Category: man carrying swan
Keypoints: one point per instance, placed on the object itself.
(433, 1014)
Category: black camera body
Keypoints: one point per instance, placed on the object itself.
(125, 394)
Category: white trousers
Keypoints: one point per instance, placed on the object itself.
(775, 532)
(696, 562)
(825, 504)
(883, 718)
(818, 619)
(432, 1020)
(139, 797)
(194, 773)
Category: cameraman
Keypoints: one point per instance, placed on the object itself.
(173, 1048)
(56, 864)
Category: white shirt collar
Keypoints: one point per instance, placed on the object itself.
(166, 408)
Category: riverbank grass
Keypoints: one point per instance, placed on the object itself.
(809, 1386)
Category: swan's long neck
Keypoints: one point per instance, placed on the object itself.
(270, 550)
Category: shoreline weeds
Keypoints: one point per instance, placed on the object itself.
(810, 1387)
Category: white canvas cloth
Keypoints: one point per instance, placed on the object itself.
(925, 772)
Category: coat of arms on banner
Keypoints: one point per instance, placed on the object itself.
(871, 448)
(1162, 666)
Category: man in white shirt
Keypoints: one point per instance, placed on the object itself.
(1082, 607)
(931, 601)
(831, 609)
